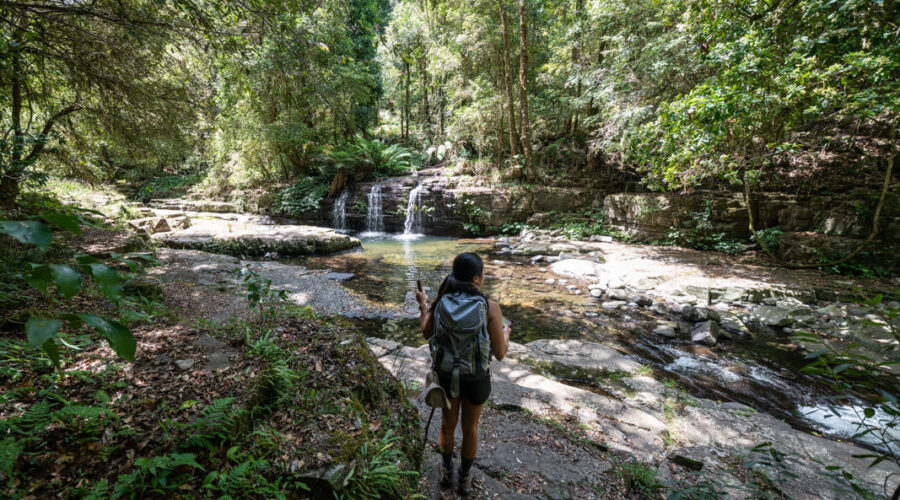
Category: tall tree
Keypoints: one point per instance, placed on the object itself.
(523, 88)
(507, 80)
(117, 60)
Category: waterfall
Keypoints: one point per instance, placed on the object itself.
(339, 211)
(413, 223)
(374, 215)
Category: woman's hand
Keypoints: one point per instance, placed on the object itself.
(421, 298)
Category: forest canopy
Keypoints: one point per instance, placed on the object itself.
(674, 94)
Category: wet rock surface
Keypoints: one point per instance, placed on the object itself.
(631, 419)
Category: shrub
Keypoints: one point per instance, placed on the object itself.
(303, 196)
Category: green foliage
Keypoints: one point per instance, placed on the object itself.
(640, 478)
(698, 232)
(373, 158)
(703, 489)
(266, 300)
(156, 475)
(770, 237)
(473, 228)
(218, 426)
(764, 75)
(26, 430)
(377, 473)
(303, 196)
(513, 228)
(169, 186)
(42, 327)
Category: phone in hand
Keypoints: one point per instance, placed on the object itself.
(506, 322)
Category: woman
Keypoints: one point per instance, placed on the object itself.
(468, 392)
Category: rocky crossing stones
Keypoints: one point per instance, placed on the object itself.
(714, 317)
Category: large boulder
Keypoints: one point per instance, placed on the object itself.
(577, 268)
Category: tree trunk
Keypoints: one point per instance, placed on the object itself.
(500, 138)
(9, 183)
(426, 112)
(523, 89)
(441, 117)
(507, 79)
(406, 105)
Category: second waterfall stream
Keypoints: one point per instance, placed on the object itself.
(413, 224)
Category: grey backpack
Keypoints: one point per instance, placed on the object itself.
(461, 345)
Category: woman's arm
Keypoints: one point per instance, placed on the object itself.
(499, 334)
(425, 320)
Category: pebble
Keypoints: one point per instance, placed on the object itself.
(596, 293)
(184, 364)
(549, 281)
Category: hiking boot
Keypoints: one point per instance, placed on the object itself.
(465, 485)
(446, 477)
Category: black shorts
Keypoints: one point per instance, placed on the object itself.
(476, 392)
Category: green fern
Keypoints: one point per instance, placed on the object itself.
(216, 426)
(10, 449)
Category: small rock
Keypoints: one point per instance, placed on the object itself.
(616, 294)
(596, 293)
(184, 364)
(577, 292)
(660, 308)
(643, 301)
(774, 316)
(536, 259)
(689, 300)
(549, 281)
(705, 333)
(833, 310)
(666, 329)
(590, 314)
(339, 277)
(571, 287)
(721, 306)
(615, 283)
(769, 301)
(613, 304)
(732, 323)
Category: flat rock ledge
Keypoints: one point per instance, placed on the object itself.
(633, 416)
(250, 239)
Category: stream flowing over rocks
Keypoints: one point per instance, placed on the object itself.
(677, 358)
(632, 418)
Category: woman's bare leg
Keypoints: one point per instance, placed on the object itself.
(471, 414)
(449, 418)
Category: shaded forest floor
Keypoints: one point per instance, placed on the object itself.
(237, 407)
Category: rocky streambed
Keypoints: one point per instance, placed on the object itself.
(666, 355)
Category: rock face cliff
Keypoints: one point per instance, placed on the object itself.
(810, 227)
